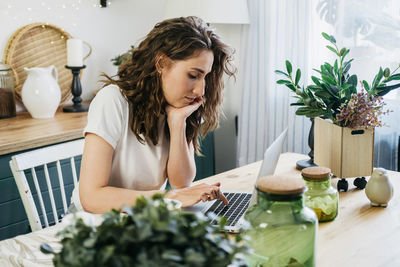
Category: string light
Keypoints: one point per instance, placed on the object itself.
(12, 10)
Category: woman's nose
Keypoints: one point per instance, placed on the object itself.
(199, 88)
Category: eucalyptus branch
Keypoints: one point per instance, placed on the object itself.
(335, 90)
(391, 74)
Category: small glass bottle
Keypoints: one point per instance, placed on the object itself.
(321, 196)
(7, 102)
(282, 229)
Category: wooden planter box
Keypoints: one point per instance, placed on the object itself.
(347, 152)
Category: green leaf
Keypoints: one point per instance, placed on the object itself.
(346, 68)
(298, 75)
(323, 94)
(314, 87)
(353, 80)
(329, 68)
(330, 90)
(342, 51)
(366, 86)
(386, 72)
(315, 80)
(310, 112)
(297, 104)
(328, 79)
(303, 111)
(393, 77)
(347, 63)
(377, 79)
(318, 70)
(283, 82)
(330, 38)
(281, 72)
(345, 53)
(381, 91)
(288, 67)
(332, 49)
(335, 67)
(291, 87)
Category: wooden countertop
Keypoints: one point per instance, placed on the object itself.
(23, 132)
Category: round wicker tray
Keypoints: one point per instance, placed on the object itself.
(39, 45)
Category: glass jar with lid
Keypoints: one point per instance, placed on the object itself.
(7, 102)
(282, 230)
(321, 196)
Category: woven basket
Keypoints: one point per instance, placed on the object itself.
(39, 45)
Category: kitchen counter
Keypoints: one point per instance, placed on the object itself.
(23, 132)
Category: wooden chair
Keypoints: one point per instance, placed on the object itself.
(33, 191)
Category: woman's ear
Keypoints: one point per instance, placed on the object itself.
(162, 61)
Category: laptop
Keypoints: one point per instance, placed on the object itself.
(239, 201)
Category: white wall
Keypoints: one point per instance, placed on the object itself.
(110, 31)
(225, 137)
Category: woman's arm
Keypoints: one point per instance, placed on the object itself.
(181, 168)
(97, 197)
(95, 194)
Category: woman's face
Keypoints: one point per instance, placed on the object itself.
(183, 81)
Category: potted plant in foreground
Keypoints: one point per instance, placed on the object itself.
(345, 117)
(152, 233)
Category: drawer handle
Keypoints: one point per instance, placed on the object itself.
(356, 132)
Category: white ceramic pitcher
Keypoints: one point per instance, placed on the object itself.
(41, 93)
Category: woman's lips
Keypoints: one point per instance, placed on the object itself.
(190, 99)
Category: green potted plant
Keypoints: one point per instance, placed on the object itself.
(152, 233)
(333, 97)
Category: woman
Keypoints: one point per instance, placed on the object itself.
(143, 126)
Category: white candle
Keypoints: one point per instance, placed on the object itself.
(74, 53)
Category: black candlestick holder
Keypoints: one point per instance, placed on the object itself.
(305, 163)
(76, 90)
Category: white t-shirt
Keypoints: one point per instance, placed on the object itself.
(134, 165)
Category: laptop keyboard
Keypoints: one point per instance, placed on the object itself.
(238, 203)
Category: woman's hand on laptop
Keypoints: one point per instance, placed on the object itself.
(189, 196)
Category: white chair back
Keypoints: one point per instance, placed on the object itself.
(42, 157)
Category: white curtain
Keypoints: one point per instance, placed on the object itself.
(289, 29)
(279, 30)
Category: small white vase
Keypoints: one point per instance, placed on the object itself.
(41, 93)
(379, 189)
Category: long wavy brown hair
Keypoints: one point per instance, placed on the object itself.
(140, 82)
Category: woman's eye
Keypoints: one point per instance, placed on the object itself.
(192, 76)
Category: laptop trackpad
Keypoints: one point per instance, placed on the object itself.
(197, 207)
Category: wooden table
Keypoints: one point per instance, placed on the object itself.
(361, 235)
(23, 132)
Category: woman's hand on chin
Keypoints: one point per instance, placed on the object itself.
(180, 114)
(194, 194)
